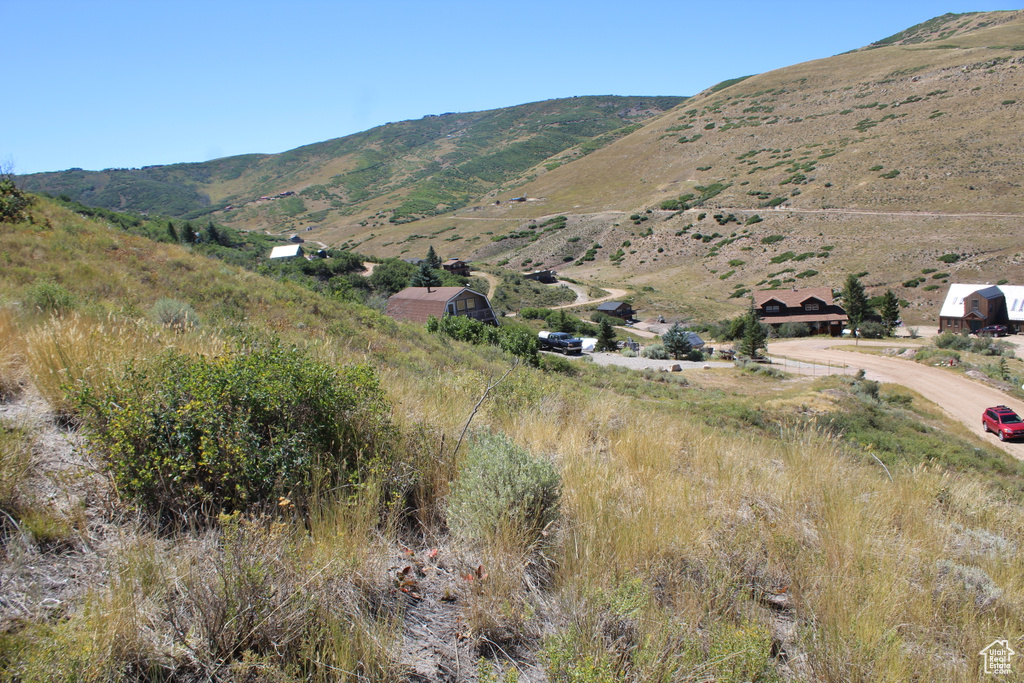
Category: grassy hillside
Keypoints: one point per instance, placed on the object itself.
(400, 171)
(469, 517)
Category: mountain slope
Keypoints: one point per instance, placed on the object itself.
(879, 161)
(426, 166)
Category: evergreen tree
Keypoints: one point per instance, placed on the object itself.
(855, 301)
(606, 338)
(432, 258)
(212, 234)
(890, 311)
(755, 337)
(565, 323)
(171, 231)
(425, 277)
(677, 342)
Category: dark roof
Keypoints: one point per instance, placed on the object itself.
(611, 305)
(992, 292)
(793, 298)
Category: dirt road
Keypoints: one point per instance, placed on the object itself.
(492, 281)
(962, 398)
(582, 298)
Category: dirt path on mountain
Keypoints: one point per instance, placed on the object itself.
(583, 298)
(962, 398)
(492, 281)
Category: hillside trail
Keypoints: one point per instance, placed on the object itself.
(583, 298)
(960, 397)
(492, 281)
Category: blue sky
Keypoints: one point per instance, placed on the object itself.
(129, 83)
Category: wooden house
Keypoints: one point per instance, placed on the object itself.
(417, 304)
(456, 266)
(813, 306)
(619, 309)
(968, 308)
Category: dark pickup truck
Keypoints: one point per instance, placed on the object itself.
(560, 341)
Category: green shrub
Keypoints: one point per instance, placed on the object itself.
(562, 366)
(655, 352)
(186, 436)
(772, 239)
(794, 330)
(14, 203)
(501, 483)
(49, 297)
(175, 314)
(872, 329)
(949, 258)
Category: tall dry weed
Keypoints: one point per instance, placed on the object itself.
(12, 360)
(79, 351)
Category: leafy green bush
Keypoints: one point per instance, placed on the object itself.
(49, 297)
(949, 258)
(872, 329)
(501, 483)
(13, 202)
(794, 330)
(185, 435)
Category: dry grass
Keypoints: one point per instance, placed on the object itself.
(12, 362)
(77, 350)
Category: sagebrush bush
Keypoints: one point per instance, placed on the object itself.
(787, 330)
(501, 483)
(183, 434)
(655, 352)
(178, 315)
(872, 330)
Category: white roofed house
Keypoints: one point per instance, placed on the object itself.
(968, 308)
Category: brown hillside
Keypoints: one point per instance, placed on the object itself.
(879, 160)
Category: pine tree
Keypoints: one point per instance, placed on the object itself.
(565, 323)
(171, 231)
(754, 338)
(855, 301)
(432, 258)
(606, 338)
(890, 311)
(677, 342)
(425, 277)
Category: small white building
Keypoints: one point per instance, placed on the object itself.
(287, 251)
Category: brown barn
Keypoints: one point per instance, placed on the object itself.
(813, 306)
(417, 304)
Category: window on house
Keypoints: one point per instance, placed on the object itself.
(461, 303)
(771, 308)
(811, 307)
(451, 309)
(975, 305)
(470, 304)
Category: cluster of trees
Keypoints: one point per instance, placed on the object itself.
(874, 318)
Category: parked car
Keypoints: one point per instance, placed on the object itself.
(1003, 421)
(560, 341)
(994, 331)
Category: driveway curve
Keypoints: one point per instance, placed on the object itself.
(962, 398)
